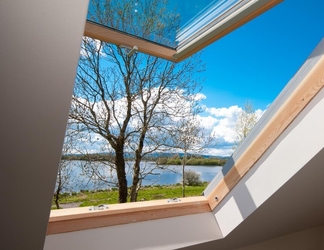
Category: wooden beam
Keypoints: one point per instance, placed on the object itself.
(75, 219)
(298, 100)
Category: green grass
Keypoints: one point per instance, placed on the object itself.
(91, 198)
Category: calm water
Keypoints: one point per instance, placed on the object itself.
(158, 177)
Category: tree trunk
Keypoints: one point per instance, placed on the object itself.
(137, 163)
(121, 174)
(184, 162)
(183, 181)
(136, 171)
(58, 189)
(56, 200)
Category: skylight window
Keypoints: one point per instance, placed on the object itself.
(164, 38)
(212, 14)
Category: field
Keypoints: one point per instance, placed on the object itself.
(94, 198)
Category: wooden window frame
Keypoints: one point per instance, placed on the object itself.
(75, 219)
(211, 35)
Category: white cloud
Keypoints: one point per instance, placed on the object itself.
(225, 112)
(200, 96)
(224, 135)
(225, 122)
(224, 151)
(208, 122)
(94, 43)
(219, 122)
(259, 113)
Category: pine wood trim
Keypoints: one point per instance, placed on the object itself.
(298, 100)
(105, 34)
(75, 219)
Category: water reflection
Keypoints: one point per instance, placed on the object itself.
(158, 176)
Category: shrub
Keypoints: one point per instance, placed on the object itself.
(192, 178)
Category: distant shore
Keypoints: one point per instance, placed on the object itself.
(174, 159)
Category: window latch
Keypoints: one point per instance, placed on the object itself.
(173, 200)
(99, 207)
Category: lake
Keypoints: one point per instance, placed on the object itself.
(158, 176)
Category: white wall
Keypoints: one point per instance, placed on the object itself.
(170, 233)
(299, 143)
(39, 51)
(311, 239)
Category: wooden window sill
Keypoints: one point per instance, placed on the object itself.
(75, 219)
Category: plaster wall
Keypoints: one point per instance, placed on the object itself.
(285, 157)
(170, 233)
(39, 51)
(311, 239)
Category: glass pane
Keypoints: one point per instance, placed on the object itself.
(174, 28)
(209, 16)
(152, 20)
(170, 23)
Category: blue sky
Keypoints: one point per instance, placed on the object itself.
(254, 63)
(257, 60)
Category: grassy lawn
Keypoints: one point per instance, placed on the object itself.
(91, 198)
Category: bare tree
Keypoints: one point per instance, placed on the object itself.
(62, 181)
(246, 120)
(132, 101)
(65, 175)
(76, 145)
(189, 138)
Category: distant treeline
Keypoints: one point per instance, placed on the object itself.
(88, 157)
(162, 160)
(196, 161)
